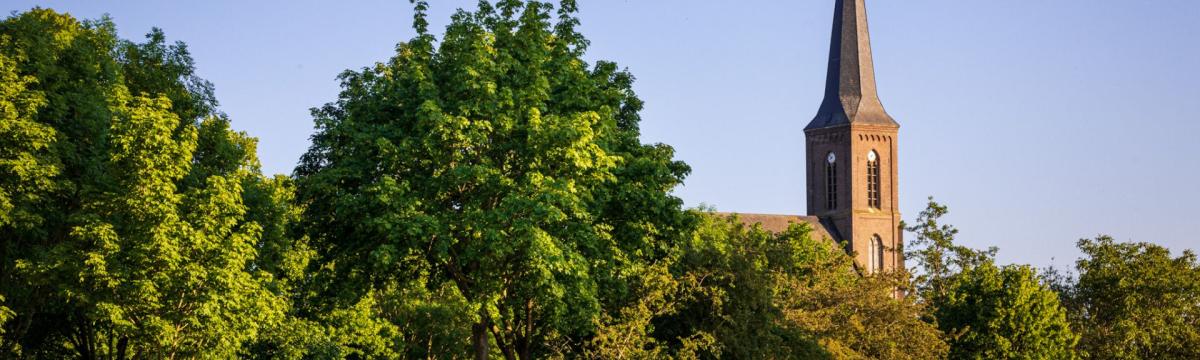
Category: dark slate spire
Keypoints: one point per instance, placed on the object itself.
(850, 96)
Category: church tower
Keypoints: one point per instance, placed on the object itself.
(851, 148)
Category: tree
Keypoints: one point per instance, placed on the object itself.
(1136, 301)
(859, 317)
(137, 224)
(1006, 312)
(731, 274)
(986, 311)
(631, 332)
(494, 173)
(936, 256)
(757, 294)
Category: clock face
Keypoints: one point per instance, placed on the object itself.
(871, 156)
(831, 158)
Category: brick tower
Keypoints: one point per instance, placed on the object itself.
(851, 150)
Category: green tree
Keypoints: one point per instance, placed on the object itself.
(935, 255)
(730, 273)
(135, 222)
(755, 294)
(1136, 301)
(986, 311)
(1006, 312)
(855, 317)
(631, 333)
(494, 174)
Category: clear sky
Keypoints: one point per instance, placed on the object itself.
(1038, 122)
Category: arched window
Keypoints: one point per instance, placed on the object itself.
(876, 252)
(831, 181)
(873, 180)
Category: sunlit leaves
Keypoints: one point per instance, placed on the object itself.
(139, 217)
(1004, 312)
(26, 169)
(491, 162)
(1136, 301)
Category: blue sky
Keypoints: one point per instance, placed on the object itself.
(1037, 122)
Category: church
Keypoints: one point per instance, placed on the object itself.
(850, 161)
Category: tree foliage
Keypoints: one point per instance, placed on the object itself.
(133, 218)
(985, 310)
(1136, 301)
(759, 294)
(26, 169)
(482, 195)
(1005, 312)
(496, 171)
(936, 256)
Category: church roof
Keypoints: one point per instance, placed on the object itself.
(780, 223)
(850, 94)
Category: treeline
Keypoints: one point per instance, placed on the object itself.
(482, 195)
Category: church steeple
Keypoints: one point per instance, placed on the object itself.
(850, 95)
(852, 153)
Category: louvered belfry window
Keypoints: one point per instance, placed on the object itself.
(831, 182)
(873, 180)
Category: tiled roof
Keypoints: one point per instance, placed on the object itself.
(779, 223)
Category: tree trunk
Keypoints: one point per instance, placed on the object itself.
(122, 347)
(479, 338)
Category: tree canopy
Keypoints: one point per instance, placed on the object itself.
(134, 219)
(497, 169)
(1136, 301)
(486, 194)
(1005, 312)
(986, 311)
(789, 295)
